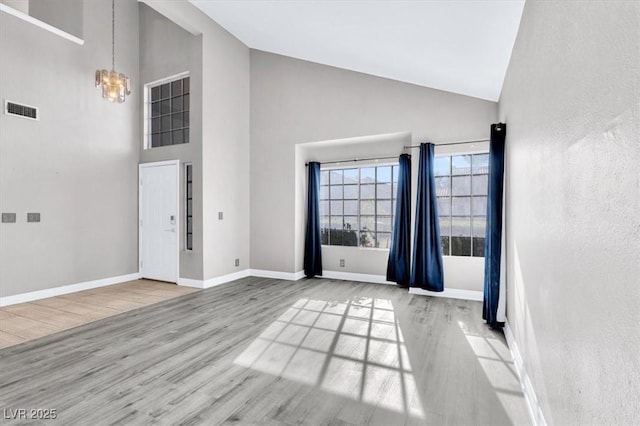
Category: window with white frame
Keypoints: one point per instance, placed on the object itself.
(168, 111)
(357, 205)
(461, 188)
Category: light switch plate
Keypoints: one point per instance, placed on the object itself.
(8, 218)
(33, 217)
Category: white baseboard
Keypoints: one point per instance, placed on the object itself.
(212, 282)
(535, 411)
(452, 293)
(351, 276)
(65, 289)
(289, 276)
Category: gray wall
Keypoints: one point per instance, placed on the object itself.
(78, 164)
(571, 103)
(166, 50)
(296, 102)
(224, 140)
(67, 15)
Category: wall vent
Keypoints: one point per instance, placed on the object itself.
(18, 110)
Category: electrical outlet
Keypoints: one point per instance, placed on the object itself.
(8, 218)
(33, 217)
(342, 263)
(237, 262)
(219, 215)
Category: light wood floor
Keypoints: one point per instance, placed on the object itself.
(266, 351)
(26, 321)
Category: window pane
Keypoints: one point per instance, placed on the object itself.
(367, 191)
(351, 192)
(324, 208)
(443, 186)
(383, 174)
(165, 123)
(324, 177)
(383, 190)
(480, 163)
(324, 222)
(461, 246)
(155, 125)
(351, 223)
(155, 140)
(480, 184)
(478, 247)
(460, 206)
(351, 207)
(367, 207)
(445, 245)
(384, 224)
(164, 91)
(396, 171)
(479, 206)
(368, 175)
(165, 139)
(351, 176)
(335, 237)
(176, 104)
(335, 177)
(185, 85)
(336, 207)
(349, 237)
(176, 87)
(186, 135)
(189, 225)
(444, 206)
(177, 137)
(185, 102)
(324, 192)
(324, 236)
(479, 226)
(461, 185)
(165, 106)
(383, 240)
(336, 222)
(155, 109)
(367, 223)
(335, 192)
(461, 226)
(190, 241)
(176, 121)
(155, 93)
(367, 239)
(461, 165)
(395, 190)
(441, 166)
(383, 207)
(445, 226)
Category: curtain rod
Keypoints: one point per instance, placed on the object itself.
(449, 143)
(355, 160)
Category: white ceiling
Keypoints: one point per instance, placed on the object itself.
(459, 46)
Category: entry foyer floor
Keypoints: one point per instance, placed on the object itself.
(26, 321)
(266, 351)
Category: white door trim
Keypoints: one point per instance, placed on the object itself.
(178, 223)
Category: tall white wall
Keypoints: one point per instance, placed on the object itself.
(571, 100)
(77, 166)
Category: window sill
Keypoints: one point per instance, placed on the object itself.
(38, 23)
(356, 247)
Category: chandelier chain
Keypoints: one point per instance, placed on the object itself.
(113, 34)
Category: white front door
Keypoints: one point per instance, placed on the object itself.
(159, 221)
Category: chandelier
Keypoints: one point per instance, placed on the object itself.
(115, 86)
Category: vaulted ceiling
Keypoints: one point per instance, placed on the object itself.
(461, 46)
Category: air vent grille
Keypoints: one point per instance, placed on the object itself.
(19, 110)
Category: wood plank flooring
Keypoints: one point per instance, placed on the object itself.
(266, 351)
(26, 321)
